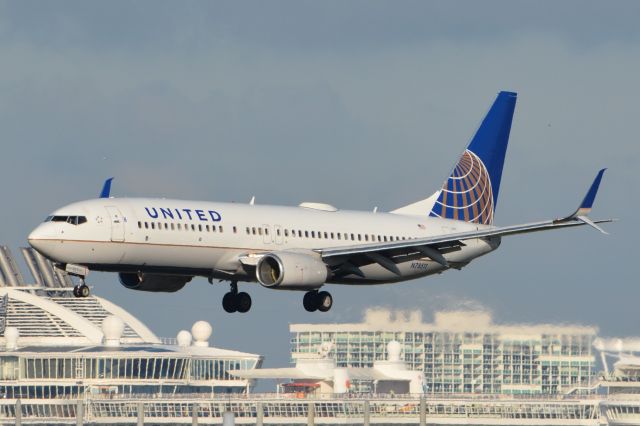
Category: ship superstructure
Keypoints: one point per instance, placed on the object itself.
(59, 346)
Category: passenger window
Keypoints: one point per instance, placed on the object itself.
(200, 228)
(179, 226)
(266, 231)
(379, 238)
(235, 230)
(193, 227)
(220, 228)
(332, 236)
(359, 237)
(206, 228)
(259, 231)
(326, 235)
(173, 226)
(253, 231)
(313, 234)
(385, 238)
(366, 237)
(248, 231)
(319, 234)
(146, 225)
(353, 237)
(153, 225)
(339, 235)
(278, 232)
(213, 228)
(286, 232)
(306, 234)
(300, 233)
(139, 225)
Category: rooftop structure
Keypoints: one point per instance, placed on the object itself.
(461, 352)
(319, 375)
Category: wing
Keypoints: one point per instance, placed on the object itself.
(347, 260)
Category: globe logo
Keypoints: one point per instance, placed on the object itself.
(467, 194)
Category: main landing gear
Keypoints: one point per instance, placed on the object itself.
(317, 301)
(236, 302)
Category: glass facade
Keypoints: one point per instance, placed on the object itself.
(476, 358)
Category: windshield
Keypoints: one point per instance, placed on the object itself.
(74, 220)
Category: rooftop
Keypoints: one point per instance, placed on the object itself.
(384, 320)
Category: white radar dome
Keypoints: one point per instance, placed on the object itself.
(393, 350)
(112, 328)
(201, 331)
(184, 338)
(11, 335)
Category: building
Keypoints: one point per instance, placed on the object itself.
(461, 352)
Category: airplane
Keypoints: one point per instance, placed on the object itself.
(159, 245)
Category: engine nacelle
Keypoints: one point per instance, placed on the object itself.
(153, 282)
(291, 271)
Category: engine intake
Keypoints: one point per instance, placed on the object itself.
(291, 271)
(153, 282)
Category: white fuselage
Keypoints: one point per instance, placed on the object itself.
(208, 239)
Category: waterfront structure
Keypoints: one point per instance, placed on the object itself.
(319, 375)
(67, 360)
(461, 352)
(55, 345)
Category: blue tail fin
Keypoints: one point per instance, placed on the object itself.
(471, 192)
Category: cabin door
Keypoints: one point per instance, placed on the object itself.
(117, 224)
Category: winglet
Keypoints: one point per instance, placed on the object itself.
(106, 188)
(587, 202)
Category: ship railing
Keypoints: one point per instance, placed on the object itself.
(169, 341)
(357, 397)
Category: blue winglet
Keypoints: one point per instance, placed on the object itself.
(587, 203)
(106, 188)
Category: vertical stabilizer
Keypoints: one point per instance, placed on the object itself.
(471, 191)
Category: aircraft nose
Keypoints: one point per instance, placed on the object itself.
(35, 238)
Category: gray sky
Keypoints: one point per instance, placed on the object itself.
(358, 104)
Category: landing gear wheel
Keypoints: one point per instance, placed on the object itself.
(229, 302)
(243, 302)
(324, 301)
(75, 291)
(84, 291)
(309, 301)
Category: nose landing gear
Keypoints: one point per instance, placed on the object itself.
(81, 290)
(236, 302)
(317, 301)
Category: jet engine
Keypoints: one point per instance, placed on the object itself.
(291, 271)
(153, 282)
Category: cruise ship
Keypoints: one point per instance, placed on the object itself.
(68, 360)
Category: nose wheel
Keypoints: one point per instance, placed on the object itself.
(81, 290)
(235, 301)
(317, 301)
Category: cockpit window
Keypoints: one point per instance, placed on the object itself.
(74, 220)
